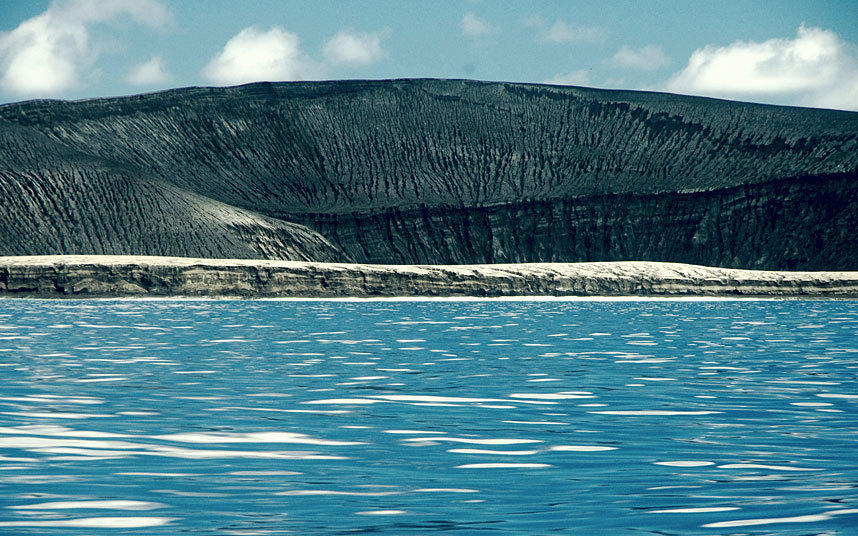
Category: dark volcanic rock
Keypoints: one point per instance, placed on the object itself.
(431, 171)
(795, 224)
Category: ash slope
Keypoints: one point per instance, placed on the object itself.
(58, 199)
(431, 171)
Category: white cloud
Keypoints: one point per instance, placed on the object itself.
(562, 32)
(149, 73)
(253, 55)
(581, 77)
(646, 58)
(348, 47)
(49, 53)
(474, 26)
(817, 68)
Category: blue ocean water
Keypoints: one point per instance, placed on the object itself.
(416, 417)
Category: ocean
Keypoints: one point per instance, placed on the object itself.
(222, 417)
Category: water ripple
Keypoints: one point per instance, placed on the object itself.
(416, 417)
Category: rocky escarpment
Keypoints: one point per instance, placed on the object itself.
(431, 171)
(122, 276)
(792, 224)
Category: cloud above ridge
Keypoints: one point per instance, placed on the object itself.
(53, 51)
(646, 58)
(474, 26)
(580, 77)
(563, 32)
(254, 55)
(351, 48)
(816, 68)
(149, 73)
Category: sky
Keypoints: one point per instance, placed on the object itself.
(787, 52)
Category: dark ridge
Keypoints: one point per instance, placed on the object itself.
(431, 171)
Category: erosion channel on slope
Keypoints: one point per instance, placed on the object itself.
(431, 172)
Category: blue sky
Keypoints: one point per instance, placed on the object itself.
(781, 52)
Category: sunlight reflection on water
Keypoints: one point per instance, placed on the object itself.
(488, 417)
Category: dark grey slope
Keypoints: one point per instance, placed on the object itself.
(115, 215)
(439, 171)
(356, 145)
(76, 204)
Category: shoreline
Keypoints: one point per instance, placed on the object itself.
(395, 299)
(110, 276)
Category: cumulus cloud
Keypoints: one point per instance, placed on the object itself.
(149, 73)
(51, 52)
(581, 77)
(646, 58)
(253, 55)
(351, 48)
(474, 26)
(816, 68)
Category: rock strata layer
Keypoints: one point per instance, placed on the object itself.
(126, 276)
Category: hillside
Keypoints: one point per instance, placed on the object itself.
(431, 171)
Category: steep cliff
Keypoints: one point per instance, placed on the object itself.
(431, 171)
(791, 224)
